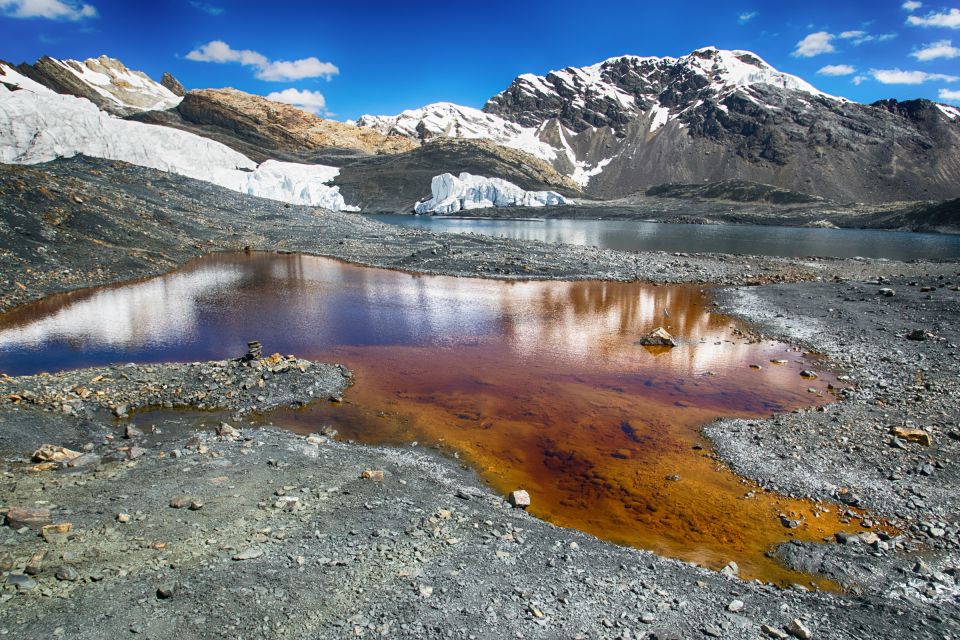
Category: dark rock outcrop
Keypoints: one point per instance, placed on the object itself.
(172, 84)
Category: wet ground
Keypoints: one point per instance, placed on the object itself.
(539, 385)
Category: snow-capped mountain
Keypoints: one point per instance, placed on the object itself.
(631, 122)
(39, 125)
(448, 120)
(104, 81)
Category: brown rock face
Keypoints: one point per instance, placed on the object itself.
(281, 126)
(172, 84)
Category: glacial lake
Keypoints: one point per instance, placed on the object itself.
(537, 385)
(636, 235)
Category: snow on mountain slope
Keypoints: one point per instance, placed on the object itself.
(451, 194)
(39, 125)
(448, 120)
(134, 90)
(543, 115)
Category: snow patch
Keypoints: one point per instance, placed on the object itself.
(40, 125)
(451, 194)
(658, 117)
(124, 87)
(448, 120)
(951, 112)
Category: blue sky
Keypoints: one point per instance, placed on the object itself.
(346, 59)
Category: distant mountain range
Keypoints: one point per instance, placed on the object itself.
(608, 130)
(629, 123)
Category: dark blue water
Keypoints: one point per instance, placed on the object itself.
(635, 235)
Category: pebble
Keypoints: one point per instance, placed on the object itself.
(519, 499)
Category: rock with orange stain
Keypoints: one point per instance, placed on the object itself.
(519, 499)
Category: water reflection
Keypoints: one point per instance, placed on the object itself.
(635, 235)
(537, 384)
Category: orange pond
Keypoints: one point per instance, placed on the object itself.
(538, 385)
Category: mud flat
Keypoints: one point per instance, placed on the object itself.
(272, 534)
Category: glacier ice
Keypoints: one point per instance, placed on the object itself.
(451, 194)
(39, 125)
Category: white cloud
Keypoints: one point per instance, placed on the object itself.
(206, 7)
(49, 9)
(220, 51)
(275, 71)
(858, 37)
(935, 50)
(858, 80)
(897, 76)
(747, 16)
(312, 101)
(837, 70)
(298, 70)
(950, 19)
(911, 5)
(949, 95)
(814, 44)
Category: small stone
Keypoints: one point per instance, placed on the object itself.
(131, 431)
(179, 502)
(35, 563)
(426, 591)
(248, 554)
(374, 474)
(712, 631)
(806, 373)
(797, 629)
(519, 499)
(673, 477)
(136, 452)
(918, 436)
(53, 453)
(123, 518)
(121, 411)
(735, 606)
(732, 570)
(166, 591)
(648, 618)
(918, 335)
(659, 337)
(773, 632)
(67, 573)
(224, 430)
(21, 582)
(195, 505)
(886, 292)
(33, 517)
(55, 533)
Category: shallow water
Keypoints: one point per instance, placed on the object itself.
(636, 235)
(538, 385)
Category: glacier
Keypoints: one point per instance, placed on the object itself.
(39, 125)
(451, 194)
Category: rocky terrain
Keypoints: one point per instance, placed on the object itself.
(629, 123)
(394, 184)
(262, 129)
(237, 530)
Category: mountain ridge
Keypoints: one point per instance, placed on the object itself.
(630, 123)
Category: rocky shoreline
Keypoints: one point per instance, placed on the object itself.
(289, 539)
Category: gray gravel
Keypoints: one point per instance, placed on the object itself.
(428, 551)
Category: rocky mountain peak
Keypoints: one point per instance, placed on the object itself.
(105, 81)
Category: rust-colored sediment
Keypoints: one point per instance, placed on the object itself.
(599, 439)
(539, 385)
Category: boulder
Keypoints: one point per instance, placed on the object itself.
(659, 337)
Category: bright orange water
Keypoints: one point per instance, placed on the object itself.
(538, 385)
